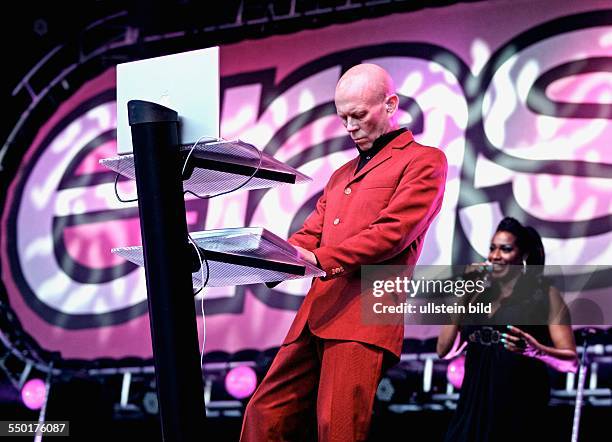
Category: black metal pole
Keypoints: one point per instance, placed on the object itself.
(168, 270)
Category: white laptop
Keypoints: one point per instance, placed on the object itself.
(187, 83)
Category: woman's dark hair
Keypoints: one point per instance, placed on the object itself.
(528, 240)
(531, 289)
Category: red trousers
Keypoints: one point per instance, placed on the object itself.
(315, 389)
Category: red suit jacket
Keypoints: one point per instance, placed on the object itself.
(377, 216)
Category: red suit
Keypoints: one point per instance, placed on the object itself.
(330, 358)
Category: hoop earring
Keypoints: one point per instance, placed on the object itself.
(524, 270)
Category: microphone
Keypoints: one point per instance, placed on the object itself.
(482, 269)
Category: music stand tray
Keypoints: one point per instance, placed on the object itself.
(220, 166)
(238, 256)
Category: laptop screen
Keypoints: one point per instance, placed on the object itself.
(187, 82)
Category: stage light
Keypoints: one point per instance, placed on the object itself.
(455, 371)
(241, 381)
(40, 27)
(150, 403)
(385, 390)
(33, 394)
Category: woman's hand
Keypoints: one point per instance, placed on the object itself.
(475, 271)
(561, 356)
(476, 268)
(518, 341)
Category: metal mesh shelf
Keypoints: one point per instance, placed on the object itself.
(239, 256)
(221, 166)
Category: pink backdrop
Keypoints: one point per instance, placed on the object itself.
(517, 93)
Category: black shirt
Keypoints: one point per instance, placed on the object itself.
(377, 146)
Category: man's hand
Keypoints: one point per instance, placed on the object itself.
(306, 255)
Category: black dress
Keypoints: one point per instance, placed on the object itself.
(504, 395)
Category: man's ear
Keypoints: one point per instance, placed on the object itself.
(392, 103)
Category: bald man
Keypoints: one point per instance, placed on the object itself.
(375, 209)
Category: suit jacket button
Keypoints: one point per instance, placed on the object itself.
(336, 221)
(347, 191)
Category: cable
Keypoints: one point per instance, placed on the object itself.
(207, 197)
(117, 192)
(204, 283)
(202, 259)
(192, 149)
(182, 172)
(260, 160)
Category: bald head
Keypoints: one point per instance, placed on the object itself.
(369, 78)
(366, 102)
